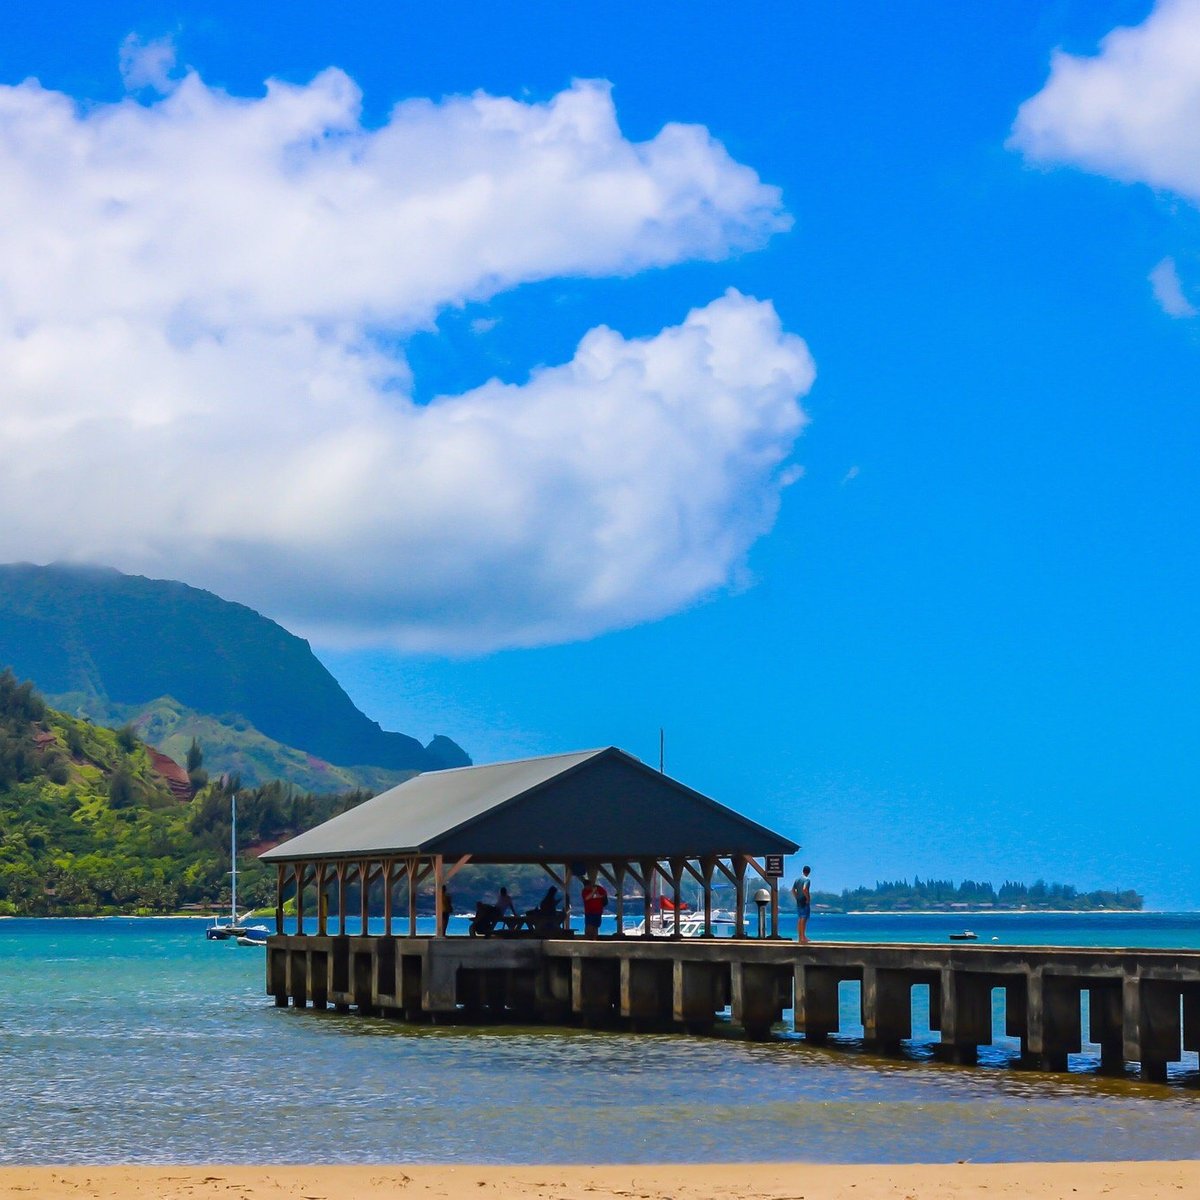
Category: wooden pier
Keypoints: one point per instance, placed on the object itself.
(603, 815)
(1144, 1005)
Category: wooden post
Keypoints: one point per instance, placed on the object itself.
(300, 869)
(566, 917)
(439, 881)
(676, 895)
(649, 870)
(279, 897)
(412, 896)
(707, 866)
(774, 907)
(619, 885)
(364, 894)
(739, 916)
(320, 880)
(388, 884)
(341, 884)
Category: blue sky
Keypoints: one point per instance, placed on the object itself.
(964, 644)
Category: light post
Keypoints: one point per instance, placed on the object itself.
(762, 898)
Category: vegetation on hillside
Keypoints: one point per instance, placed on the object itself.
(232, 745)
(945, 895)
(88, 826)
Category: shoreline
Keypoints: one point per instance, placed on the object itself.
(1010, 912)
(723, 1181)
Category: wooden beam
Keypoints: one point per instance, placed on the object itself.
(458, 866)
(279, 897)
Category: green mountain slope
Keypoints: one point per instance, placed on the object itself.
(230, 744)
(87, 825)
(104, 641)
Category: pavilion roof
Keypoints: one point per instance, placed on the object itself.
(593, 804)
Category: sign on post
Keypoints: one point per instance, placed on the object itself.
(773, 866)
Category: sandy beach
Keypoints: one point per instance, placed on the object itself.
(726, 1181)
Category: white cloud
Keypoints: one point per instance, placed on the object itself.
(192, 381)
(1131, 112)
(147, 64)
(1168, 290)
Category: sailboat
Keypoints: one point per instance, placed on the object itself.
(235, 927)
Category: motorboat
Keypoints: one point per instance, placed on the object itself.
(685, 924)
(965, 936)
(235, 926)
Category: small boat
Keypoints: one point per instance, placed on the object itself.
(966, 936)
(235, 927)
(690, 924)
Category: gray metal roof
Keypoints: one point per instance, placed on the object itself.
(593, 804)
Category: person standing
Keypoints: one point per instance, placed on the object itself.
(447, 909)
(802, 894)
(595, 901)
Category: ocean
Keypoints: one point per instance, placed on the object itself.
(126, 1041)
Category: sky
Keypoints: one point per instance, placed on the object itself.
(816, 383)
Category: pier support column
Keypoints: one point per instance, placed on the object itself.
(696, 994)
(1016, 1011)
(646, 991)
(1153, 1031)
(318, 978)
(595, 988)
(1062, 1021)
(816, 1005)
(277, 975)
(886, 1007)
(1105, 1024)
(757, 1003)
(408, 985)
(297, 977)
(439, 979)
(1191, 1020)
(966, 1016)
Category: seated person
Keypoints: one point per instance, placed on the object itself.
(484, 922)
(546, 915)
(506, 911)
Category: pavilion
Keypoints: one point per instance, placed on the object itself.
(601, 812)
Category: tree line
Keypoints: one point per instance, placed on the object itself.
(900, 895)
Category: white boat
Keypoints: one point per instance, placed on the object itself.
(690, 924)
(235, 927)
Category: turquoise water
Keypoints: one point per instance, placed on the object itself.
(139, 1041)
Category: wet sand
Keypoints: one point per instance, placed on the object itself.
(769, 1181)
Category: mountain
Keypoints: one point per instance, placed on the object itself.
(99, 642)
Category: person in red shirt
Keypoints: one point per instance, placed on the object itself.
(595, 901)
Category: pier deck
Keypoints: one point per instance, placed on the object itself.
(1144, 1005)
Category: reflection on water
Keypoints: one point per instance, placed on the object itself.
(125, 1041)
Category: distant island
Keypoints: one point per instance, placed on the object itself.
(943, 895)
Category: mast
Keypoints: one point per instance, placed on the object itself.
(233, 858)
